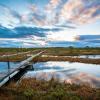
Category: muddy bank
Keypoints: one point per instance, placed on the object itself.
(70, 59)
(57, 58)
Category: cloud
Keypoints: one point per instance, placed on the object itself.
(51, 12)
(33, 41)
(33, 7)
(45, 17)
(81, 11)
(34, 17)
(62, 36)
(55, 12)
(88, 38)
(30, 17)
(44, 37)
(9, 17)
(66, 26)
(52, 5)
(24, 31)
(58, 12)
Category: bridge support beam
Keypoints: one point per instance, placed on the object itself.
(30, 66)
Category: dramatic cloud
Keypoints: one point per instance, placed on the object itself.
(50, 23)
(22, 31)
(58, 13)
(8, 17)
(81, 11)
(53, 4)
(88, 38)
(55, 12)
(46, 17)
(32, 41)
(52, 12)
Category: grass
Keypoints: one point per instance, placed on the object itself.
(60, 52)
(70, 59)
(54, 51)
(32, 89)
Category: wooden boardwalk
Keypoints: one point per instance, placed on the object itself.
(5, 77)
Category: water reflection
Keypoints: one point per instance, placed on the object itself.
(67, 72)
(4, 68)
(81, 56)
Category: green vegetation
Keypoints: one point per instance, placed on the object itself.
(54, 51)
(70, 59)
(60, 52)
(32, 89)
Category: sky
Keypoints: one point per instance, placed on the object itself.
(49, 23)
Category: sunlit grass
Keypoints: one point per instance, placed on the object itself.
(60, 52)
(32, 89)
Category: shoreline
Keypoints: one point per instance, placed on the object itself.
(70, 59)
(58, 58)
(51, 54)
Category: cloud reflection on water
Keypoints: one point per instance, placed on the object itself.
(68, 73)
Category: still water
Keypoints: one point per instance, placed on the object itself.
(88, 56)
(81, 56)
(4, 68)
(66, 72)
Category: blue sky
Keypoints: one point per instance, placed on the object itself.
(43, 23)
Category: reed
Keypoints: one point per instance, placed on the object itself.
(32, 89)
(70, 59)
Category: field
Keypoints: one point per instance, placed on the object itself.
(59, 52)
(54, 51)
(32, 89)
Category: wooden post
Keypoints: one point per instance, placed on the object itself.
(8, 65)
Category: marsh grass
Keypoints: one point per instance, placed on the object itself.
(32, 89)
(60, 52)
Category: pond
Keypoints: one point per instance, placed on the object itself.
(78, 73)
(63, 71)
(80, 56)
(88, 56)
(4, 68)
